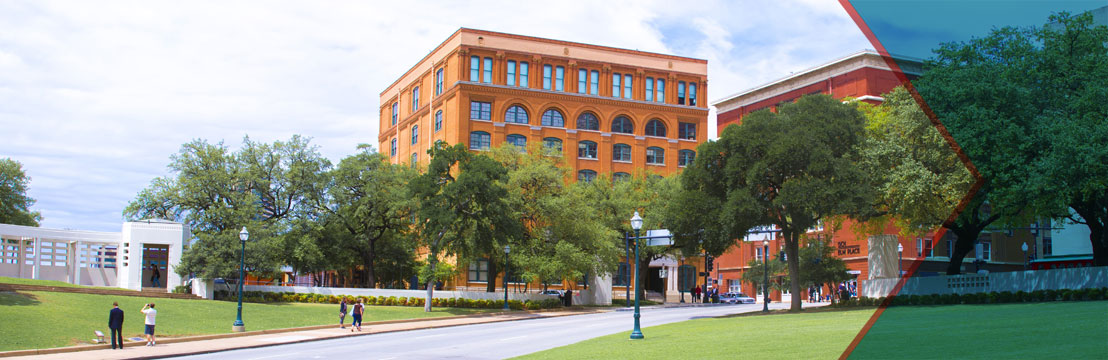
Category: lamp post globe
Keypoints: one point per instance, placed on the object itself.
(765, 274)
(244, 235)
(507, 249)
(636, 224)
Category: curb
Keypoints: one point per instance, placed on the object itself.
(79, 348)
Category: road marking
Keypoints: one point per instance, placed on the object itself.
(513, 338)
(274, 356)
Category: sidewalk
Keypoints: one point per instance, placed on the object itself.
(221, 342)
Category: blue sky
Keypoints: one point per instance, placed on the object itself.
(95, 96)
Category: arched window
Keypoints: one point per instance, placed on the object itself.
(685, 157)
(415, 134)
(588, 121)
(621, 176)
(655, 155)
(586, 150)
(518, 140)
(438, 121)
(553, 118)
(621, 124)
(586, 175)
(553, 146)
(479, 140)
(656, 128)
(516, 114)
(621, 152)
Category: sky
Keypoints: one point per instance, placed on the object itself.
(96, 96)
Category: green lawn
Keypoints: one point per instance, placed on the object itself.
(35, 319)
(1052, 330)
(21, 281)
(807, 335)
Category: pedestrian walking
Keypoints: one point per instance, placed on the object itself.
(155, 276)
(569, 298)
(115, 324)
(357, 313)
(150, 315)
(342, 313)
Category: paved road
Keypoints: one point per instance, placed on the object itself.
(482, 341)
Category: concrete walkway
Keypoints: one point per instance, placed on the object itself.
(221, 342)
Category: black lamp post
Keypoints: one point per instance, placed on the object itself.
(636, 223)
(765, 274)
(506, 250)
(899, 259)
(243, 236)
(626, 281)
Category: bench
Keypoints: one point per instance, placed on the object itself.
(99, 337)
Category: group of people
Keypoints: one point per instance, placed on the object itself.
(355, 311)
(698, 295)
(115, 324)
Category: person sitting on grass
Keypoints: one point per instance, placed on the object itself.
(150, 314)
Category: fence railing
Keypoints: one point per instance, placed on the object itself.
(1031, 280)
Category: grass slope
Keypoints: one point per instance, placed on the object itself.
(21, 281)
(36, 320)
(807, 335)
(1070, 330)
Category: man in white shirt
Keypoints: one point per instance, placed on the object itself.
(150, 314)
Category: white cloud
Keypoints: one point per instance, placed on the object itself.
(95, 96)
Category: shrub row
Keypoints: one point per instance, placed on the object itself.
(984, 298)
(271, 297)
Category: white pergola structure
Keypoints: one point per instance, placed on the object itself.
(122, 259)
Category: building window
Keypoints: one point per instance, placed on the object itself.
(649, 89)
(986, 250)
(685, 157)
(415, 159)
(680, 93)
(582, 81)
(559, 78)
(586, 175)
(659, 90)
(516, 114)
(488, 71)
(511, 73)
(480, 110)
(621, 152)
(949, 248)
(919, 247)
(655, 155)
(395, 112)
(546, 73)
(438, 121)
(474, 68)
(415, 99)
(692, 94)
(627, 86)
(623, 275)
(586, 150)
(523, 71)
(479, 271)
(686, 131)
(621, 176)
(480, 140)
(594, 82)
(415, 134)
(929, 248)
(622, 124)
(758, 253)
(588, 121)
(1048, 246)
(656, 128)
(392, 147)
(519, 141)
(438, 82)
(553, 146)
(553, 118)
(615, 84)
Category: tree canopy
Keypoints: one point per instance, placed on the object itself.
(15, 205)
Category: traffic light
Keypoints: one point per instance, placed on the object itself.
(709, 263)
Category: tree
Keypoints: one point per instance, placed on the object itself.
(15, 205)
(460, 210)
(264, 187)
(790, 169)
(756, 270)
(1026, 106)
(819, 267)
(368, 198)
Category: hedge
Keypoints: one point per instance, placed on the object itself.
(994, 297)
(271, 297)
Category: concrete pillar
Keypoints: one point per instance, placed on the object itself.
(36, 269)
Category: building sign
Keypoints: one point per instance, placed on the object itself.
(845, 249)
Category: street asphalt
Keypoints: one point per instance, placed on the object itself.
(483, 341)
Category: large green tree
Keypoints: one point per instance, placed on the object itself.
(789, 169)
(462, 207)
(15, 205)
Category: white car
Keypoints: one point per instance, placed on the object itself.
(735, 298)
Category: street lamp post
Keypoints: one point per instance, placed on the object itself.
(1026, 259)
(636, 223)
(243, 236)
(765, 274)
(626, 282)
(899, 259)
(507, 249)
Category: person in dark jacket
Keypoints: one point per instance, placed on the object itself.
(115, 323)
(569, 298)
(342, 313)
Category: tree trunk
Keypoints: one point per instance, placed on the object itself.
(369, 261)
(1098, 237)
(792, 250)
(431, 262)
(491, 286)
(962, 246)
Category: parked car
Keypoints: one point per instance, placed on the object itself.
(735, 298)
(552, 292)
